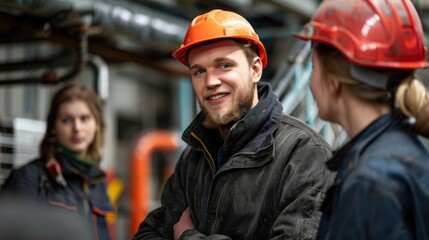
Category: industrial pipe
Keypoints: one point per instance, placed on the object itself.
(50, 77)
(141, 172)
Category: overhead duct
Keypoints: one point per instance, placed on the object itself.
(144, 23)
(116, 31)
(45, 7)
(135, 20)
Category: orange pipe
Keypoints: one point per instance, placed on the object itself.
(141, 172)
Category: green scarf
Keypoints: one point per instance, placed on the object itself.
(62, 149)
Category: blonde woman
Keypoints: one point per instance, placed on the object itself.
(365, 53)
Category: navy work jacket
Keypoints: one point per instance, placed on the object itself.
(381, 190)
(85, 193)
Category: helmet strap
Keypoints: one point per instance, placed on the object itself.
(369, 77)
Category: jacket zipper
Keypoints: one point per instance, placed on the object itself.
(85, 188)
(211, 161)
(206, 198)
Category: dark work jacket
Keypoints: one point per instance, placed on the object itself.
(85, 192)
(266, 181)
(382, 187)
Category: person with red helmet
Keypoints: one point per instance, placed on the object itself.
(365, 55)
(248, 171)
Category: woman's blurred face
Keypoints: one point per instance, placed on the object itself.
(75, 126)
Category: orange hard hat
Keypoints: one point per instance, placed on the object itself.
(370, 33)
(218, 24)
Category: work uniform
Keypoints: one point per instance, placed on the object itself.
(266, 180)
(84, 191)
(383, 169)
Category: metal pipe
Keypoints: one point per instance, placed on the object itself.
(142, 23)
(42, 29)
(164, 31)
(54, 62)
(141, 172)
(50, 77)
(47, 7)
(101, 76)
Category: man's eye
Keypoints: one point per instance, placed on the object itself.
(198, 72)
(224, 66)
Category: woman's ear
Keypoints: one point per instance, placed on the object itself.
(334, 85)
(256, 68)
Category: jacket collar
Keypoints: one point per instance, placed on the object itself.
(71, 166)
(348, 156)
(249, 134)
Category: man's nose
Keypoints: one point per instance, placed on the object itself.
(212, 80)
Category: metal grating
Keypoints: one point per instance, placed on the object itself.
(19, 144)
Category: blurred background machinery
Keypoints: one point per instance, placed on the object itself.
(122, 49)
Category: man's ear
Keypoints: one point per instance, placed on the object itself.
(256, 68)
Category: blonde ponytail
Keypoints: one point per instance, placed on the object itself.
(413, 101)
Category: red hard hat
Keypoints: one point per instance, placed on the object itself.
(370, 33)
(218, 24)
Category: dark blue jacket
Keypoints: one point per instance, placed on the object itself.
(381, 190)
(266, 181)
(85, 192)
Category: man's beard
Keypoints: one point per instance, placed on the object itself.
(239, 109)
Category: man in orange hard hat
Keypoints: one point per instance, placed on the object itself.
(249, 171)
